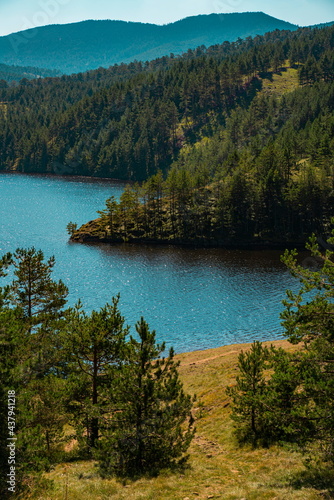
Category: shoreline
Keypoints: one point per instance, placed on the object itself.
(89, 234)
(198, 357)
(65, 177)
(224, 246)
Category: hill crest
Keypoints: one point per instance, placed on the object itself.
(90, 44)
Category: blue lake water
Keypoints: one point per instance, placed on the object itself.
(193, 298)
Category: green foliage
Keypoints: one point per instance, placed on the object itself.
(248, 394)
(294, 401)
(269, 401)
(40, 421)
(71, 228)
(4, 467)
(129, 121)
(238, 164)
(309, 318)
(33, 314)
(92, 347)
(30, 310)
(17, 73)
(33, 291)
(284, 402)
(148, 429)
(73, 369)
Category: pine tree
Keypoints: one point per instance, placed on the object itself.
(71, 228)
(33, 290)
(93, 346)
(34, 303)
(148, 429)
(109, 215)
(40, 423)
(308, 318)
(295, 402)
(247, 395)
(283, 401)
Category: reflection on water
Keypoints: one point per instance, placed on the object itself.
(193, 298)
(203, 297)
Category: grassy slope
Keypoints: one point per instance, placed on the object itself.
(281, 83)
(218, 467)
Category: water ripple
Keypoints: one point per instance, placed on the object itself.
(194, 299)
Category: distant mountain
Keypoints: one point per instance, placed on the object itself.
(87, 45)
(17, 73)
(322, 25)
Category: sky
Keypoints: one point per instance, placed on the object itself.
(18, 15)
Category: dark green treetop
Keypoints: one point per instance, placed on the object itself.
(149, 429)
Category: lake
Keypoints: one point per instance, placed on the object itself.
(193, 298)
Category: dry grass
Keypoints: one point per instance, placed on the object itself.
(281, 83)
(218, 468)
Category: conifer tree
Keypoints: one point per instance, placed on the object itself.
(40, 423)
(295, 402)
(109, 215)
(308, 318)
(33, 289)
(249, 391)
(71, 228)
(149, 428)
(35, 303)
(93, 347)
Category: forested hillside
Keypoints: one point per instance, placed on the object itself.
(250, 161)
(243, 156)
(131, 120)
(90, 44)
(17, 73)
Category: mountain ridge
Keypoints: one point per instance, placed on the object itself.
(78, 47)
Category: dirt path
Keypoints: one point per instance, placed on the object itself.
(199, 361)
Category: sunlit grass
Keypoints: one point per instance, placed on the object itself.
(218, 468)
(281, 83)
